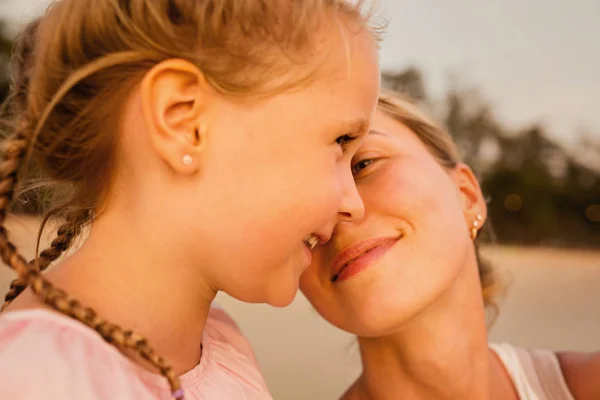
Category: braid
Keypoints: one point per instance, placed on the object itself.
(29, 274)
(14, 152)
(112, 333)
(66, 234)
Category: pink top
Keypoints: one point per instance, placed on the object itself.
(45, 355)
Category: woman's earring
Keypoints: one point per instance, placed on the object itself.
(187, 160)
(476, 226)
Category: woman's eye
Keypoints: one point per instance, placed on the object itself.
(360, 165)
(344, 140)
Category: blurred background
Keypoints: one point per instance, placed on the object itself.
(517, 85)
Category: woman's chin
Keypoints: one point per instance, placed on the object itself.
(377, 320)
(363, 325)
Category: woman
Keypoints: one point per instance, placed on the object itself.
(406, 279)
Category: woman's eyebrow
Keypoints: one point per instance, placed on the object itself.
(374, 132)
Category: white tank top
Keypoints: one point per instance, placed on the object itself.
(536, 374)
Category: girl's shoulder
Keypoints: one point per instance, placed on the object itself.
(221, 328)
(229, 362)
(353, 392)
(44, 354)
(47, 355)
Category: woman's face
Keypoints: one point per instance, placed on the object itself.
(378, 272)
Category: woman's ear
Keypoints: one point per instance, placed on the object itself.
(472, 200)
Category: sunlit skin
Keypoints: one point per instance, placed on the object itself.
(411, 292)
(260, 176)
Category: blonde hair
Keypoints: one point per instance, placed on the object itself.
(73, 67)
(443, 148)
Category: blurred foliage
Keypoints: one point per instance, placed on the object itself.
(5, 49)
(538, 192)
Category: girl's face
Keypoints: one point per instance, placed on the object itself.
(276, 176)
(378, 272)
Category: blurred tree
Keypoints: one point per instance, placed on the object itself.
(5, 49)
(409, 82)
(538, 192)
(32, 201)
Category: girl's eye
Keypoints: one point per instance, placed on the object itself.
(344, 140)
(360, 165)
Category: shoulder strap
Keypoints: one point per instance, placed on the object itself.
(549, 374)
(519, 368)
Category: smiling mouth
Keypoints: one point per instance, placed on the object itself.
(336, 276)
(361, 256)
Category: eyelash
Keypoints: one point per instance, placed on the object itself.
(363, 163)
(345, 140)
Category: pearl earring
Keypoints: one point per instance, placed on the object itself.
(187, 159)
(476, 225)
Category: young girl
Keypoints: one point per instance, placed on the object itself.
(192, 134)
(407, 279)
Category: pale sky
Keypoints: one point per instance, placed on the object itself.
(535, 60)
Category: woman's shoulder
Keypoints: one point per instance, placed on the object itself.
(47, 355)
(581, 372)
(564, 375)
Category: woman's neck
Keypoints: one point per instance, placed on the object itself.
(440, 354)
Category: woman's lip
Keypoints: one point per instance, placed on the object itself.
(356, 250)
(363, 262)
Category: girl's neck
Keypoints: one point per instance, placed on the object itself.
(132, 278)
(440, 354)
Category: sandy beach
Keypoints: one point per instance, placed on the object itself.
(553, 301)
